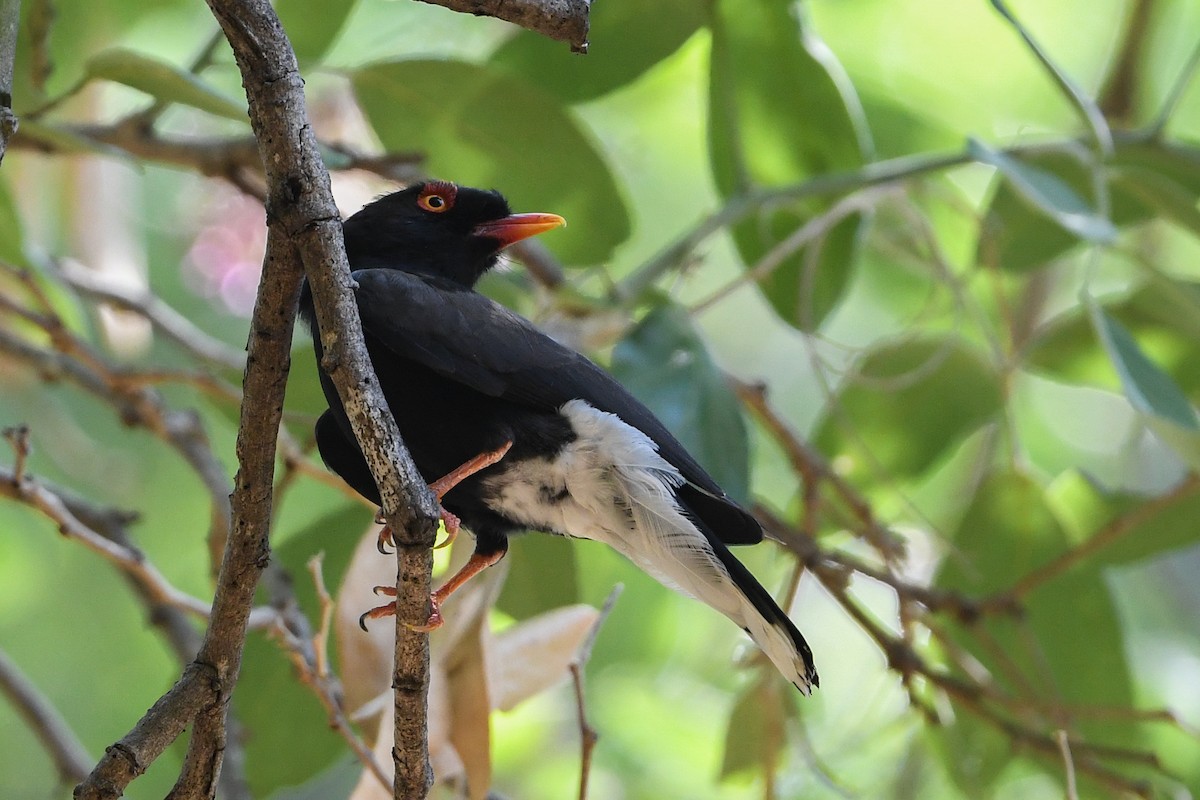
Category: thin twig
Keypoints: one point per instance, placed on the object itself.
(1175, 95)
(1089, 112)
(1109, 534)
(1064, 746)
(308, 654)
(587, 734)
(70, 757)
(132, 562)
(162, 317)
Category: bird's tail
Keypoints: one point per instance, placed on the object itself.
(629, 491)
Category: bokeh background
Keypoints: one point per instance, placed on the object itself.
(966, 277)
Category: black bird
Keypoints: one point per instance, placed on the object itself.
(528, 434)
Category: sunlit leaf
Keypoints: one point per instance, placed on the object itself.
(666, 365)
(1148, 179)
(1149, 389)
(907, 403)
(534, 655)
(781, 112)
(1049, 193)
(484, 127)
(621, 47)
(163, 81)
(1091, 511)
(1162, 316)
(1066, 649)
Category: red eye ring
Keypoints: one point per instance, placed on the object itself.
(437, 197)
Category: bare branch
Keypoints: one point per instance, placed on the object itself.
(70, 757)
(10, 23)
(587, 734)
(561, 20)
(165, 319)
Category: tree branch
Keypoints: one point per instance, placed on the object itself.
(10, 23)
(302, 213)
(561, 20)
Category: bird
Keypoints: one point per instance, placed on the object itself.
(515, 431)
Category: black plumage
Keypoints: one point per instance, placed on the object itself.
(464, 375)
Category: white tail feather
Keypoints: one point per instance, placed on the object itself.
(620, 491)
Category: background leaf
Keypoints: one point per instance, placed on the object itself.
(163, 81)
(665, 364)
(908, 403)
(621, 48)
(769, 78)
(483, 127)
(1018, 237)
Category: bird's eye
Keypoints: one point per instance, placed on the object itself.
(437, 197)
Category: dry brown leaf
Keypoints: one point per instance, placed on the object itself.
(535, 654)
(472, 671)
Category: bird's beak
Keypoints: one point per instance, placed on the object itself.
(514, 228)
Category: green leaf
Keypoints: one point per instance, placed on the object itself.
(1050, 194)
(338, 780)
(1066, 650)
(781, 112)
(1163, 316)
(665, 364)
(907, 404)
(754, 738)
(1149, 389)
(271, 701)
(621, 47)
(542, 575)
(162, 81)
(1153, 528)
(1147, 180)
(313, 26)
(280, 715)
(483, 127)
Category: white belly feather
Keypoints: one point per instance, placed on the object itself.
(612, 486)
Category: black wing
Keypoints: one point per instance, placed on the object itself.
(468, 338)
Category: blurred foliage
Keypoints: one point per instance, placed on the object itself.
(888, 214)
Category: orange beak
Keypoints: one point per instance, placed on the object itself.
(516, 227)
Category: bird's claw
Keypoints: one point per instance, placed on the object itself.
(385, 537)
(452, 524)
(434, 622)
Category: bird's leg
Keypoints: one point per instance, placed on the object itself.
(439, 488)
(475, 565)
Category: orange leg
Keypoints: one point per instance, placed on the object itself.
(439, 489)
(475, 565)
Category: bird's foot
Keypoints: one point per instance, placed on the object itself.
(475, 564)
(434, 622)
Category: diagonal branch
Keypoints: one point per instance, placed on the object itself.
(562, 20)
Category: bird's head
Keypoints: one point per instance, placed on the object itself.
(438, 228)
